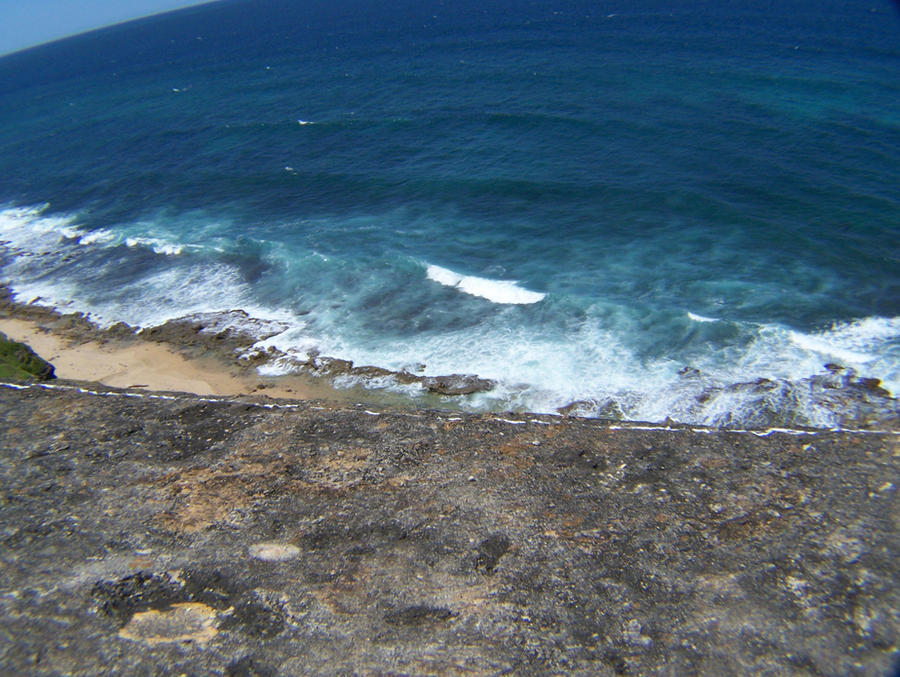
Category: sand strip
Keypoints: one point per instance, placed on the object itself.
(140, 364)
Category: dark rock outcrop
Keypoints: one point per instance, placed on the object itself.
(449, 385)
(607, 410)
(227, 333)
(457, 384)
(840, 396)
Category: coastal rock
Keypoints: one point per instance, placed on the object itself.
(76, 324)
(233, 336)
(607, 410)
(315, 538)
(7, 301)
(372, 372)
(839, 397)
(120, 330)
(578, 408)
(380, 375)
(457, 384)
(231, 332)
(330, 366)
(372, 376)
(256, 357)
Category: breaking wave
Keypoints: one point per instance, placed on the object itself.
(496, 291)
(734, 374)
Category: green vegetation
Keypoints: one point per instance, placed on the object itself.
(18, 362)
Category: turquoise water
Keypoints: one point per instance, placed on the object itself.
(575, 199)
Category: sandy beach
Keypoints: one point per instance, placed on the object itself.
(135, 363)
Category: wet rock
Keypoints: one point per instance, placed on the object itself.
(370, 372)
(406, 377)
(457, 384)
(377, 377)
(330, 366)
(255, 357)
(608, 410)
(873, 385)
(231, 332)
(578, 408)
(836, 398)
(7, 302)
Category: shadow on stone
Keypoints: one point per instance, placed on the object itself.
(490, 551)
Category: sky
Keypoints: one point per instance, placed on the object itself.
(26, 23)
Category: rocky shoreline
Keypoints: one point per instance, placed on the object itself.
(234, 338)
(231, 336)
(164, 533)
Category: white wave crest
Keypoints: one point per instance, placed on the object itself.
(701, 318)
(858, 342)
(96, 237)
(28, 229)
(157, 245)
(496, 291)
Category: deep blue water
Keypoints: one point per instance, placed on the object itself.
(578, 199)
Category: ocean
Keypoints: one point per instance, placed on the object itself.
(654, 210)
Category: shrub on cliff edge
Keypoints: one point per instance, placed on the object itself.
(18, 362)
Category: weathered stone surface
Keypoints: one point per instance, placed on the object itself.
(578, 548)
(182, 622)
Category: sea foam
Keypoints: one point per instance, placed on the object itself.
(29, 229)
(701, 318)
(496, 291)
(870, 345)
(157, 245)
